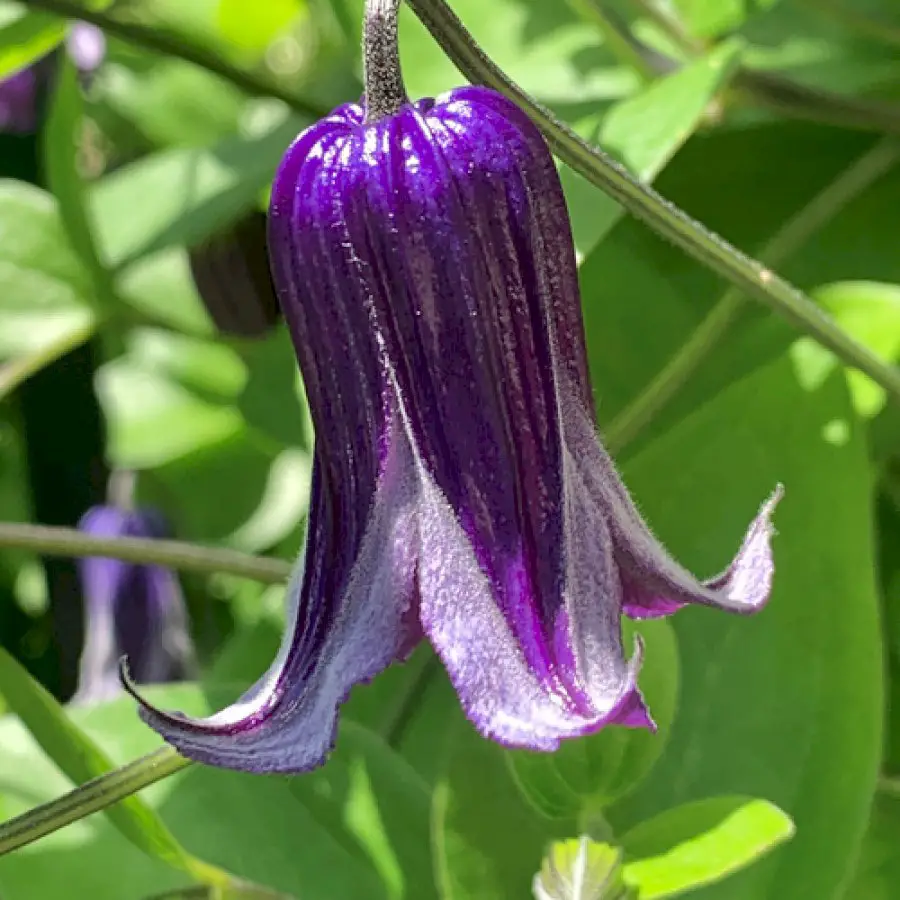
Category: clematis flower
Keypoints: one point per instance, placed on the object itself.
(424, 263)
(130, 609)
(22, 93)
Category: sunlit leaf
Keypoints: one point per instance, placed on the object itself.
(45, 293)
(700, 843)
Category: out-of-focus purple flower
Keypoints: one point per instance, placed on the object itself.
(131, 610)
(22, 93)
(425, 266)
(20, 96)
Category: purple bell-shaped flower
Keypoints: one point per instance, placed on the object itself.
(424, 263)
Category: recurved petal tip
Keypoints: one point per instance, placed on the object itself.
(747, 582)
(338, 634)
(632, 710)
(661, 587)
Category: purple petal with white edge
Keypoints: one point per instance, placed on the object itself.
(350, 598)
(654, 583)
(519, 592)
(286, 722)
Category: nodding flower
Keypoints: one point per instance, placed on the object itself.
(424, 263)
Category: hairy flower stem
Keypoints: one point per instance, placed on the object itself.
(384, 89)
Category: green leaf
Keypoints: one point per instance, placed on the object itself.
(232, 892)
(196, 22)
(26, 36)
(870, 312)
(161, 287)
(45, 292)
(392, 833)
(488, 839)
(172, 103)
(423, 739)
(253, 26)
(317, 835)
(273, 400)
(268, 492)
(81, 759)
(701, 843)
(644, 132)
(820, 51)
(711, 18)
(744, 185)
(764, 700)
(184, 195)
(878, 870)
(153, 420)
(593, 771)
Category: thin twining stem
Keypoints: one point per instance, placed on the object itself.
(89, 798)
(850, 183)
(52, 541)
(753, 278)
(170, 45)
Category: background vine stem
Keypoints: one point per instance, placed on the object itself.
(89, 798)
(823, 207)
(170, 45)
(746, 274)
(52, 541)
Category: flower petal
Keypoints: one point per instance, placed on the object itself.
(501, 693)
(519, 592)
(654, 583)
(286, 722)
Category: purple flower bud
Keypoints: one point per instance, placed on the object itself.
(131, 610)
(232, 275)
(424, 263)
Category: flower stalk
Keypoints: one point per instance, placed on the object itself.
(382, 76)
